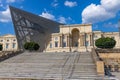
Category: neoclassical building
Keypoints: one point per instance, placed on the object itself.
(9, 42)
(79, 37)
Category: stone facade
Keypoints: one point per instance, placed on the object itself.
(79, 37)
(9, 42)
(111, 60)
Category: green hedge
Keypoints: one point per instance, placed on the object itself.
(105, 43)
(31, 46)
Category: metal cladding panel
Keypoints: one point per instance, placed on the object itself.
(30, 27)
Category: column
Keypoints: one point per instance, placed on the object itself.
(60, 41)
(82, 40)
(90, 40)
(67, 41)
(53, 45)
(79, 41)
(70, 41)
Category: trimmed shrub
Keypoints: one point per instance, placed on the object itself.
(26, 45)
(1, 47)
(105, 43)
(31, 46)
(36, 46)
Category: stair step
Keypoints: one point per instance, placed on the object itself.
(47, 66)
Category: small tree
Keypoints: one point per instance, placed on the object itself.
(1, 47)
(105, 43)
(31, 46)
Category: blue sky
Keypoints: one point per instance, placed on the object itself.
(103, 14)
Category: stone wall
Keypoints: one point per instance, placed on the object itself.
(111, 58)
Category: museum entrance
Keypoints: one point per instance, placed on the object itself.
(75, 37)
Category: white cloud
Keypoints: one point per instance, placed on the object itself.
(112, 25)
(48, 15)
(10, 1)
(62, 19)
(111, 5)
(65, 20)
(70, 3)
(13, 1)
(96, 13)
(4, 3)
(54, 3)
(5, 16)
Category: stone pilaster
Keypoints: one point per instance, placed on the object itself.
(82, 38)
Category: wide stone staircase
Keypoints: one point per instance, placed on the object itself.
(54, 66)
(83, 67)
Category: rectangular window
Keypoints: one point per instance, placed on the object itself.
(63, 37)
(7, 45)
(56, 44)
(1, 40)
(7, 40)
(14, 44)
(14, 40)
(86, 36)
(50, 45)
(64, 44)
(87, 43)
